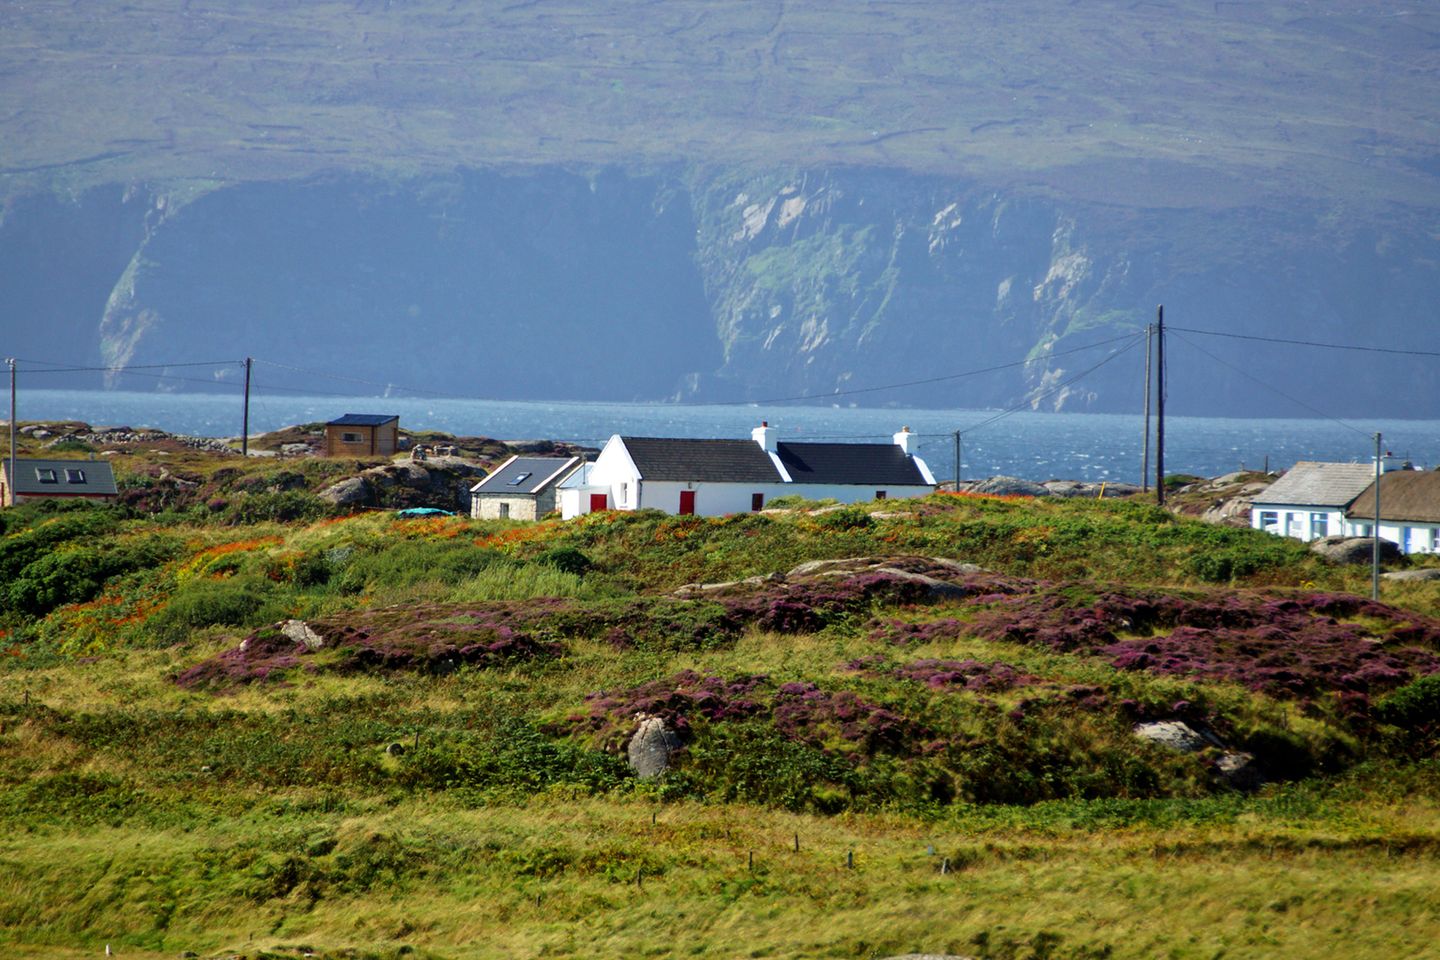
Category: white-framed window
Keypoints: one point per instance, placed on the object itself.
(1435, 539)
(1270, 521)
(1319, 525)
(74, 475)
(1364, 529)
(46, 475)
(624, 494)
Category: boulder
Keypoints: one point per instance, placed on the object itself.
(1010, 487)
(1428, 573)
(300, 632)
(353, 491)
(650, 749)
(1175, 734)
(1353, 549)
(1239, 770)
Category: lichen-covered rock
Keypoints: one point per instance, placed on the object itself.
(300, 632)
(1429, 573)
(1239, 770)
(1010, 487)
(651, 747)
(350, 492)
(1175, 734)
(1353, 549)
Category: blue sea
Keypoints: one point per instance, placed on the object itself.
(1035, 446)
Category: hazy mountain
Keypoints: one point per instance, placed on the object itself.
(742, 201)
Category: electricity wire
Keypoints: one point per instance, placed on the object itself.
(1273, 389)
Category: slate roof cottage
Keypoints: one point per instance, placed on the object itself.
(521, 488)
(58, 479)
(1309, 501)
(716, 477)
(363, 435)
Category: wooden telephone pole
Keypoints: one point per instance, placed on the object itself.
(1160, 405)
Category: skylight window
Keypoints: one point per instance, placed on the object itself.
(74, 475)
(519, 479)
(45, 475)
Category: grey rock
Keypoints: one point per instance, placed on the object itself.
(1175, 734)
(1353, 549)
(651, 747)
(1239, 770)
(350, 492)
(294, 449)
(1010, 487)
(1429, 573)
(300, 632)
(396, 749)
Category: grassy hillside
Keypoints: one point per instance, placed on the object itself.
(878, 758)
(1156, 104)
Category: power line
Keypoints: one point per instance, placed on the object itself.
(1030, 401)
(1273, 389)
(57, 368)
(713, 403)
(1309, 343)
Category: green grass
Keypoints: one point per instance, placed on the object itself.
(282, 815)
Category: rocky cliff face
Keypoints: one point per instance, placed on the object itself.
(720, 284)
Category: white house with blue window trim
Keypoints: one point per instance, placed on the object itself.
(1310, 500)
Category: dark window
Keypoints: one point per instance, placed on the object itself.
(757, 501)
(519, 479)
(74, 475)
(45, 475)
(350, 438)
(879, 494)
(504, 511)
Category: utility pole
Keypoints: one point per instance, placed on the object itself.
(14, 431)
(1375, 530)
(245, 419)
(957, 461)
(1160, 405)
(1145, 456)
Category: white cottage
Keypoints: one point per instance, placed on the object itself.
(1310, 500)
(1409, 510)
(715, 477)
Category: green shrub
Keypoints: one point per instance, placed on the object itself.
(283, 506)
(846, 518)
(565, 559)
(246, 601)
(1416, 704)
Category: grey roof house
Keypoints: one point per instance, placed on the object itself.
(1309, 501)
(521, 488)
(57, 479)
(713, 477)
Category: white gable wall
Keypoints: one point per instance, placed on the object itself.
(1300, 522)
(614, 474)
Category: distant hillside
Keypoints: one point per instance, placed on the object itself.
(649, 201)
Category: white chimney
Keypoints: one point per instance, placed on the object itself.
(764, 435)
(907, 442)
(1391, 462)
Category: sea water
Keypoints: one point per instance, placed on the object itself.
(1035, 446)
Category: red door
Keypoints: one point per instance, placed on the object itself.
(599, 501)
(687, 502)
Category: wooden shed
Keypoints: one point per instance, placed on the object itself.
(363, 435)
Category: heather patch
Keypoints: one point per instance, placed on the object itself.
(432, 640)
(1292, 647)
(611, 714)
(806, 713)
(971, 675)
